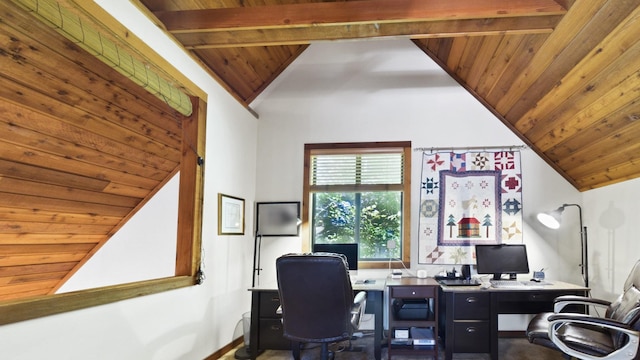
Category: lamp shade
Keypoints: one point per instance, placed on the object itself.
(550, 220)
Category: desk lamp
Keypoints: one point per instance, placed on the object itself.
(552, 220)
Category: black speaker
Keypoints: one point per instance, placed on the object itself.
(466, 272)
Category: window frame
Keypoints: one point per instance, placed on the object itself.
(362, 147)
(188, 242)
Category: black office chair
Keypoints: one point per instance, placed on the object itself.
(614, 336)
(317, 301)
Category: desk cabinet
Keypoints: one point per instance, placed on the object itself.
(268, 332)
(412, 289)
(471, 314)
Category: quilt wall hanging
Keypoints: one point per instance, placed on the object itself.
(467, 199)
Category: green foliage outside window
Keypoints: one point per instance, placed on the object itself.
(369, 218)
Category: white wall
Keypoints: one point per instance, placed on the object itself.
(189, 323)
(143, 252)
(612, 218)
(389, 90)
(353, 91)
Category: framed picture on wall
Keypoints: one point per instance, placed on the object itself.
(278, 218)
(230, 215)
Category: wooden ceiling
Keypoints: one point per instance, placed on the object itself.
(81, 149)
(562, 74)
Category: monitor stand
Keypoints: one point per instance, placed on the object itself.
(498, 276)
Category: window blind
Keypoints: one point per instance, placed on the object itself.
(356, 169)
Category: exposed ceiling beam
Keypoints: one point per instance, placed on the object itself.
(297, 36)
(351, 12)
(303, 23)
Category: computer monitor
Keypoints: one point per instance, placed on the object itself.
(350, 250)
(502, 259)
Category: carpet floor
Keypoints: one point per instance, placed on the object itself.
(508, 349)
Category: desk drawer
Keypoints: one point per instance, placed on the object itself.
(412, 292)
(471, 336)
(530, 302)
(269, 303)
(271, 335)
(471, 306)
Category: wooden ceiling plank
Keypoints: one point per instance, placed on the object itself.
(321, 14)
(223, 63)
(36, 203)
(8, 213)
(620, 46)
(12, 227)
(127, 190)
(60, 90)
(49, 176)
(23, 155)
(27, 278)
(30, 288)
(296, 36)
(608, 133)
(524, 53)
(11, 250)
(469, 57)
(27, 187)
(612, 164)
(570, 48)
(483, 57)
(95, 130)
(35, 269)
(49, 238)
(72, 150)
(568, 128)
(455, 54)
(614, 149)
(623, 172)
(19, 260)
(611, 88)
(19, 115)
(498, 63)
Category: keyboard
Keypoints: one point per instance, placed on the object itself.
(513, 283)
(460, 282)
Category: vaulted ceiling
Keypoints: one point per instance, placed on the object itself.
(563, 75)
(84, 147)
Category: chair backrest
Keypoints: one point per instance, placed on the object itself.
(316, 297)
(620, 308)
(626, 308)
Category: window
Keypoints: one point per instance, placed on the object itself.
(359, 192)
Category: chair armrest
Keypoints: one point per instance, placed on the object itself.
(628, 351)
(359, 302)
(562, 301)
(358, 308)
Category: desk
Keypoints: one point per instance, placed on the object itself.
(471, 313)
(266, 327)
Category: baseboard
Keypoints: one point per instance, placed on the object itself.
(220, 353)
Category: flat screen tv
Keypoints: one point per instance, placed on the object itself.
(502, 259)
(349, 250)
